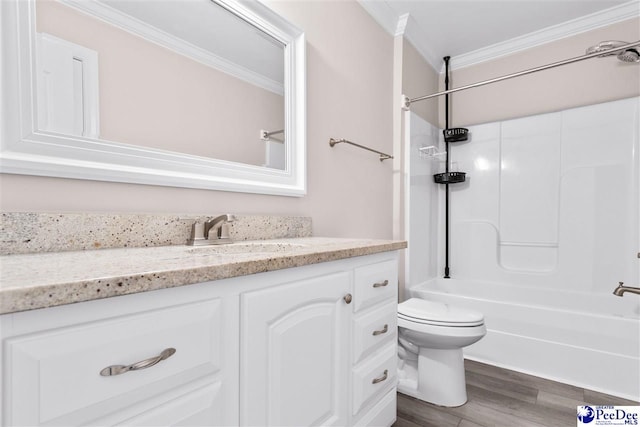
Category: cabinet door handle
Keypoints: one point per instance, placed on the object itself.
(348, 298)
(380, 379)
(381, 331)
(380, 284)
(143, 364)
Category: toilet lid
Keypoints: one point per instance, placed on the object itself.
(438, 313)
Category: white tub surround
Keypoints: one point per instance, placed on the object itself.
(543, 230)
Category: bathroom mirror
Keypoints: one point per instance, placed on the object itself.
(200, 93)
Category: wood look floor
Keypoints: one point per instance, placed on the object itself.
(502, 398)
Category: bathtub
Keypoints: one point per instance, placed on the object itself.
(587, 340)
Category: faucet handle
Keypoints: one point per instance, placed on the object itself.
(217, 226)
(224, 231)
(197, 234)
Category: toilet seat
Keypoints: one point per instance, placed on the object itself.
(425, 312)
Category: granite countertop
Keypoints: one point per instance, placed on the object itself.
(40, 280)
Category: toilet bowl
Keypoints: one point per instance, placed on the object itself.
(431, 336)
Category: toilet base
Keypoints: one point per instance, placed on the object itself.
(438, 378)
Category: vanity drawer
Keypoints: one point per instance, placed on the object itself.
(374, 377)
(374, 328)
(375, 283)
(54, 377)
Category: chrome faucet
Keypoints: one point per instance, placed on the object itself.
(217, 225)
(621, 289)
(213, 232)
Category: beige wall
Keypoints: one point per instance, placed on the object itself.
(349, 95)
(418, 79)
(154, 97)
(582, 83)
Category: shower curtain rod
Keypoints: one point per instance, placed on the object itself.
(408, 101)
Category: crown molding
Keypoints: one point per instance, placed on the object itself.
(414, 35)
(401, 26)
(382, 13)
(570, 28)
(406, 26)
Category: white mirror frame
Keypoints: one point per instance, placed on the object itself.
(26, 150)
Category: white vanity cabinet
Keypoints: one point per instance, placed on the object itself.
(322, 351)
(53, 358)
(312, 345)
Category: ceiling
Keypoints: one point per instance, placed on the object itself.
(460, 28)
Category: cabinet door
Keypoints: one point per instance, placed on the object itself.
(294, 353)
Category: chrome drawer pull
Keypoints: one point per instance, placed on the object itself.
(384, 330)
(143, 364)
(381, 284)
(348, 298)
(380, 379)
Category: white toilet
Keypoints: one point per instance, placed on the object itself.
(431, 336)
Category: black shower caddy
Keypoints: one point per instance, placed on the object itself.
(449, 177)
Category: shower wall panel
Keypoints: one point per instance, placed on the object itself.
(529, 192)
(422, 201)
(542, 230)
(529, 176)
(550, 200)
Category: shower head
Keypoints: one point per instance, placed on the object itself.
(609, 46)
(629, 55)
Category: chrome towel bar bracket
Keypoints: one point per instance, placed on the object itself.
(383, 156)
(266, 135)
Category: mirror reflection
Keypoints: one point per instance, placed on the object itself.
(182, 76)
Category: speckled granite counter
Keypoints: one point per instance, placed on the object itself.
(30, 232)
(41, 280)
